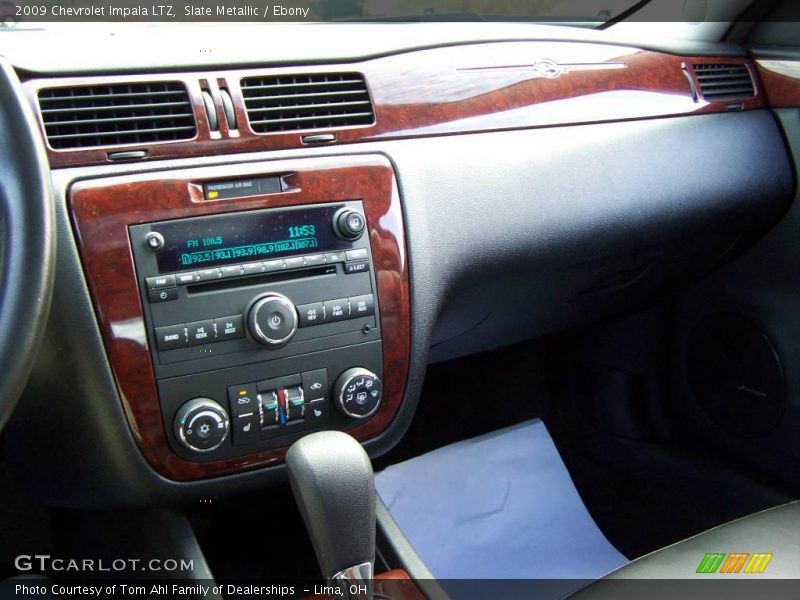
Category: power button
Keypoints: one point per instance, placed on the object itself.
(272, 320)
(277, 321)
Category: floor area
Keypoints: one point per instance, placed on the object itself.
(643, 494)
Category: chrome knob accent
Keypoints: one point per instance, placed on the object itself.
(201, 425)
(154, 241)
(349, 224)
(272, 320)
(358, 393)
(355, 583)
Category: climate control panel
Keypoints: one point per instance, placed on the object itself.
(234, 412)
(262, 410)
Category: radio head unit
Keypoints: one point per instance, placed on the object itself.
(192, 244)
(263, 325)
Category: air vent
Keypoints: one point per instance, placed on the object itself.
(724, 82)
(118, 114)
(314, 101)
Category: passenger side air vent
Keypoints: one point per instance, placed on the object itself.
(724, 82)
(116, 114)
(314, 101)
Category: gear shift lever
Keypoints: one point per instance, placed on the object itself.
(332, 482)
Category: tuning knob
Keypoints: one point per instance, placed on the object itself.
(201, 425)
(358, 392)
(272, 320)
(349, 224)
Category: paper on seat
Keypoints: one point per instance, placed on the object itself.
(500, 506)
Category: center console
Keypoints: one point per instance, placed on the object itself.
(245, 306)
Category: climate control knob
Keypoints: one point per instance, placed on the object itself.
(349, 224)
(201, 425)
(358, 393)
(272, 320)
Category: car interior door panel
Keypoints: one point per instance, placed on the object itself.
(491, 310)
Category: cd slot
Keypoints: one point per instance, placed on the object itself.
(227, 284)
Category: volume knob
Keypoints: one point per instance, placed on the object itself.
(272, 320)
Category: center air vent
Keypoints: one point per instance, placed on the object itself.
(314, 101)
(117, 114)
(724, 82)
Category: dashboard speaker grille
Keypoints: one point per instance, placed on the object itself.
(724, 82)
(117, 114)
(308, 101)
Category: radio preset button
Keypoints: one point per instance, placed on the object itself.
(160, 281)
(187, 278)
(274, 265)
(232, 271)
(337, 310)
(253, 268)
(313, 260)
(356, 267)
(334, 257)
(171, 337)
(209, 274)
(162, 295)
(201, 332)
(311, 314)
(230, 328)
(357, 254)
(295, 262)
(362, 306)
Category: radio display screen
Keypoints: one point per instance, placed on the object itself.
(249, 236)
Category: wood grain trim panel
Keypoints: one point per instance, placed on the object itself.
(451, 90)
(102, 210)
(781, 82)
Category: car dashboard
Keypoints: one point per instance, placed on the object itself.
(251, 252)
